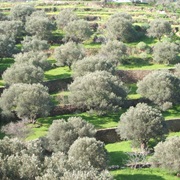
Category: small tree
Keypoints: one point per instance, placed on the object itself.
(24, 73)
(158, 28)
(68, 53)
(38, 59)
(62, 134)
(160, 87)
(114, 50)
(140, 124)
(28, 101)
(92, 64)
(77, 31)
(166, 155)
(64, 17)
(98, 91)
(165, 52)
(88, 152)
(120, 27)
(34, 44)
(39, 26)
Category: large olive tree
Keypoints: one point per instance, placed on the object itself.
(158, 28)
(69, 53)
(167, 155)
(27, 101)
(99, 91)
(160, 87)
(165, 52)
(140, 124)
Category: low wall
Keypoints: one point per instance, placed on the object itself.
(58, 84)
(110, 136)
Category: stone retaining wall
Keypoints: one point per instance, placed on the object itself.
(110, 136)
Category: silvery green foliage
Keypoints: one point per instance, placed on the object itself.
(78, 30)
(38, 59)
(62, 134)
(160, 87)
(20, 12)
(85, 152)
(3, 17)
(39, 25)
(92, 64)
(141, 123)
(19, 160)
(16, 129)
(165, 52)
(33, 44)
(7, 46)
(64, 17)
(158, 28)
(69, 53)
(167, 155)
(90, 174)
(11, 28)
(119, 27)
(98, 91)
(115, 50)
(26, 100)
(177, 70)
(24, 73)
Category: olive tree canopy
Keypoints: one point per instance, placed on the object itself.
(140, 124)
(27, 101)
(99, 91)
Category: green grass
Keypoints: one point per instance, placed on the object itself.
(118, 156)
(58, 73)
(143, 174)
(138, 66)
(132, 91)
(172, 113)
(5, 63)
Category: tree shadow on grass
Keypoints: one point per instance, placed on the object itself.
(118, 158)
(59, 76)
(137, 177)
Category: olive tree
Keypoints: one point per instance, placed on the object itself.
(92, 64)
(158, 28)
(98, 91)
(23, 73)
(68, 53)
(78, 30)
(27, 101)
(120, 27)
(20, 12)
(160, 87)
(39, 26)
(165, 52)
(88, 152)
(34, 44)
(37, 59)
(115, 50)
(166, 155)
(11, 28)
(7, 46)
(64, 17)
(140, 124)
(62, 134)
